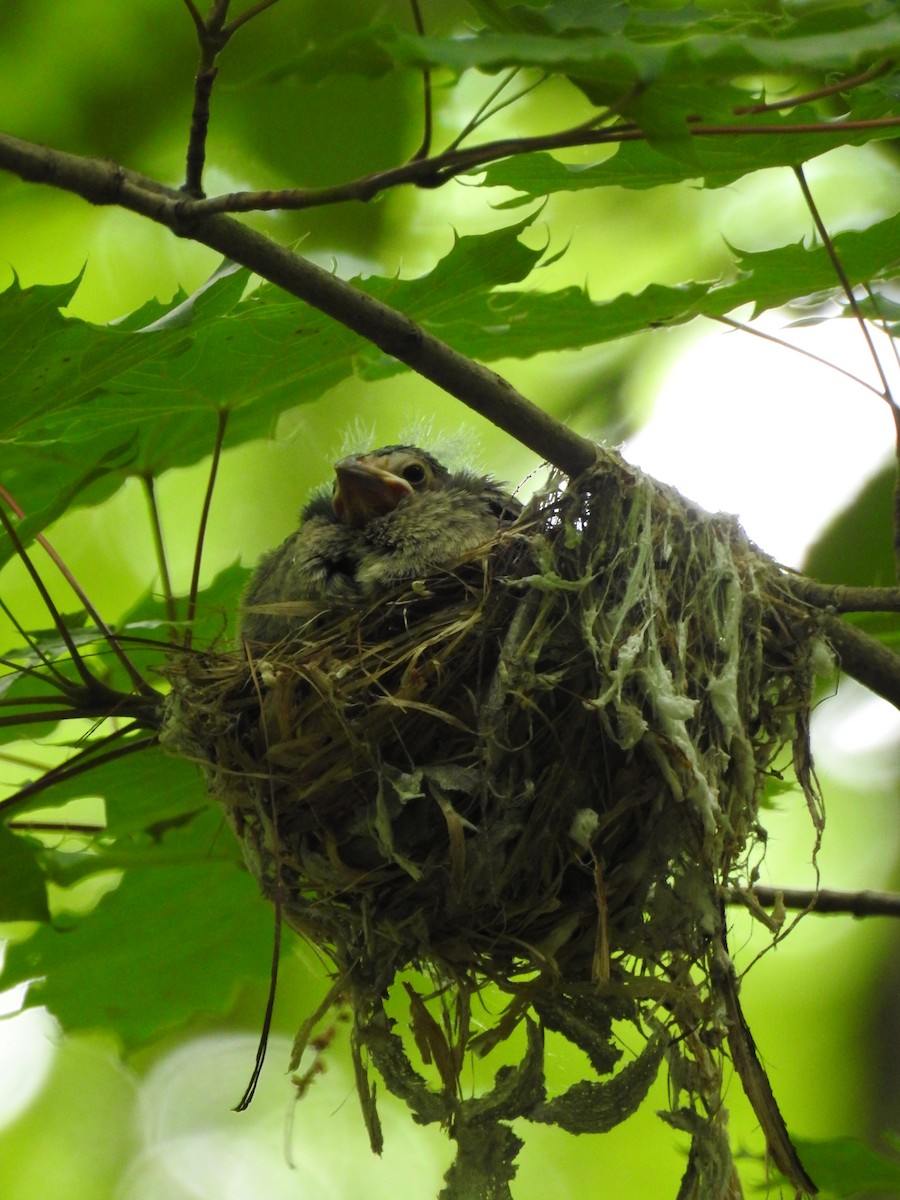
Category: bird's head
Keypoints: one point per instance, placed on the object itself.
(371, 485)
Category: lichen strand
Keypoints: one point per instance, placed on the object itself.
(540, 769)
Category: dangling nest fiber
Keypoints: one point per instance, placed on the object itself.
(540, 769)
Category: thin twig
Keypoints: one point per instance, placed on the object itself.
(77, 660)
(831, 89)
(55, 827)
(86, 760)
(887, 394)
(235, 25)
(213, 35)
(440, 168)
(46, 715)
(892, 342)
(479, 117)
(221, 425)
(427, 112)
(771, 337)
(159, 547)
(263, 1043)
(847, 287)
(59, 680)
(130, 669)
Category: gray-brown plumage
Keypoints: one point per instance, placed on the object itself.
(394, 514)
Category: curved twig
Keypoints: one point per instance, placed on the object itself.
(438, 169)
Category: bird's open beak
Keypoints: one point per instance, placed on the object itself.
(365, 490)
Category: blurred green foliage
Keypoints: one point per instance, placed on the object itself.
(98, 419)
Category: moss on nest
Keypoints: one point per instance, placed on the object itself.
(542, 768)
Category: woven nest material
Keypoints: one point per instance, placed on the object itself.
(542, 768)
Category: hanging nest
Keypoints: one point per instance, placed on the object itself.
(541, 769)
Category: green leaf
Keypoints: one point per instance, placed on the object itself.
(617, 62)
(216, 611)
(353, 52)
(140, 791)
(520, 324)
(846, 1167)
(716, 160)
(54, 366)
(167, 945)
(46, 482)
(24, 893)
(269, 352)
(840, 555)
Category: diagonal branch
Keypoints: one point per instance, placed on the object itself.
(396, 334)
(94, 755)
(482, 390)
(112, 641)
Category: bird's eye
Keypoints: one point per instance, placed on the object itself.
(414, 473)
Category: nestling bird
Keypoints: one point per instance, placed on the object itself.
(394, 514)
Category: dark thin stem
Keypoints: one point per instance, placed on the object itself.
(250, 1090)
(59, 680)
(77, 660)
(832, 89)
(440, 168)
(130, 669)
(484, 114)
(213, 35)
(235, 25)
(263, 1044)
(427, 114)
(478, 117)
(771, 337)
(86, 760)
(847, 287)
(887, 394)
(195, 16)
(40, 718)
(221, 425)
(159, 546)
(873, 299)
(54, 827)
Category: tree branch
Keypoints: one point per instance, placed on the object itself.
(396, 334)
(867, 660)
(213, 35)
(843, 599)
(856, 904)
(438, 169)
(482, 390)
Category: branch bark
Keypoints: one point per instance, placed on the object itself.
(438, 169)
(482, 390)
(855, 904)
